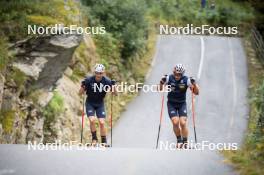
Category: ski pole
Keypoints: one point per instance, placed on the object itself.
(82, 119)
(161, 114)
(193, 116)
(111, 120)
(113, 82)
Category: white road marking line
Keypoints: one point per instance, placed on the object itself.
(201, 63)
(201, 59)
(234, 89)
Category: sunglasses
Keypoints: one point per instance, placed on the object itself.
(98, 73)
(177, 74)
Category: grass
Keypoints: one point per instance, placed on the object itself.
(4, 58)
(77, 74)
(56, 15)
(34, 95)
(16, 15)
(249, 159)
(18, 77)
(54, 108)
(107, 47)
(7, 118)
(84, 58)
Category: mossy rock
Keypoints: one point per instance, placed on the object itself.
(7, 120)
(18, 77)
(43, 20)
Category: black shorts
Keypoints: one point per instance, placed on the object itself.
(177, 109)
(92, 109)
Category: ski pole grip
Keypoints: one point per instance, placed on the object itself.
(113, 82)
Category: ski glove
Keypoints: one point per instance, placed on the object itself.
(192, 80)
(83, 84)
(113, 82)
(163, 79)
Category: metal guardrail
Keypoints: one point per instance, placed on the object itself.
(258, 43)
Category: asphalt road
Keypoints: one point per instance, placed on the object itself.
(218, 63)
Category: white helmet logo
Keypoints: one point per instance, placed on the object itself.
(179, 68)
(99, 68)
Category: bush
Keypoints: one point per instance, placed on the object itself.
(53, 109)
(258, 101)
(124, 19)
(107, 47)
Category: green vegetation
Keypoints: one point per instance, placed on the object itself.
(124, 20)
(107, 47)
(3, 55)
(7, 120)
(181, 12)
(76, 74)
(16, 15)
(124, 47)
(17, 77)
(84, 59)
(258, 6)
(54, 108)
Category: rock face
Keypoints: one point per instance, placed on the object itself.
(67, 125)
(69, 122)
(44, 60)
(33, 69)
